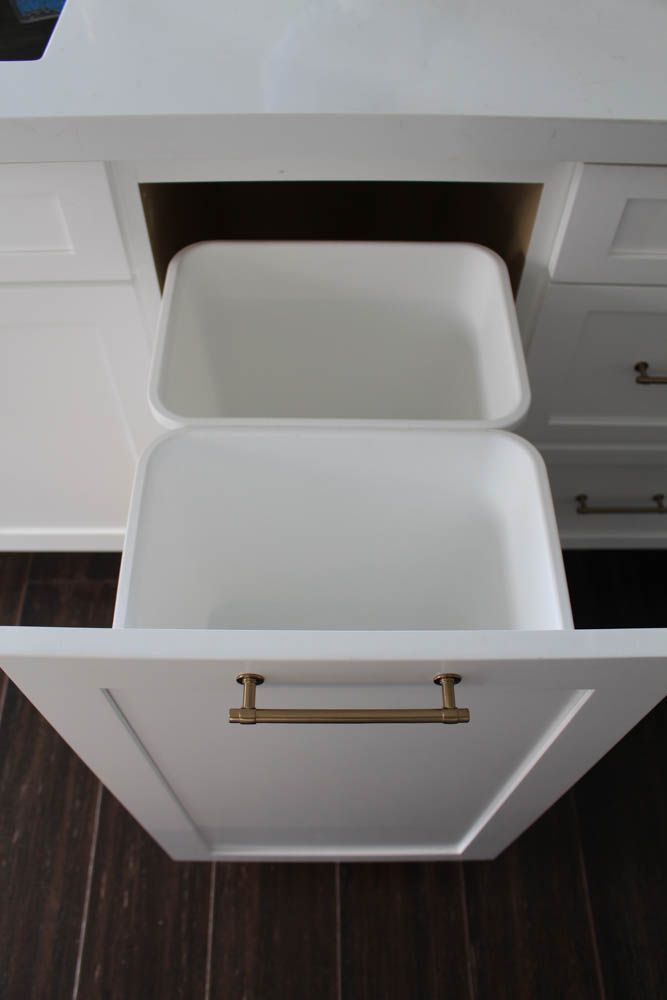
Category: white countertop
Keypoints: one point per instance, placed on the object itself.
(111, 60)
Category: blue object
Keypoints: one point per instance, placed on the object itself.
(37, 10)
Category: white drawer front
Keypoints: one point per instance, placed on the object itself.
(628, 479)
(73, 414)
(582, 365)
(147, 711)
(615, 229)
(57, 223)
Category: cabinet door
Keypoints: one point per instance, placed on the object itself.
(58, 223)
(581, 363)
(73, 414)
(147, 711)
(615, 229)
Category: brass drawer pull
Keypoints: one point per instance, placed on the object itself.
(248, 715)
(645, 379)
(658, 500)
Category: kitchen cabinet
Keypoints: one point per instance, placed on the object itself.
(73, 414)
(74, 360)
(346, 565)
(597, 358)
(514, 130)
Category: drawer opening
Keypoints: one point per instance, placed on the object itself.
(499, 216)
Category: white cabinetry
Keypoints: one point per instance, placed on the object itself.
(629, 478)
(147, 710)
(74, 361)
(72, 414)
(57, 223)
(602, 432)
(349, 564)
(587, 342)
(615, 227)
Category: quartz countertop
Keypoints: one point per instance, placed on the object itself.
(121, 72)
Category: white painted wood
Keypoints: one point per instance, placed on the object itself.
(429, 167)
(610, 477)
(323, 146)
(615, 229)
(581, 366)
(57, 223)
(124, 182)
(73, 413)
(146, 710)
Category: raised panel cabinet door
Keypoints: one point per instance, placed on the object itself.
(615, 227)
(147, 710)
(583, 361)
(73, 414)
(58, 223)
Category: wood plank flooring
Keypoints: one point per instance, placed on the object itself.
(90, 907)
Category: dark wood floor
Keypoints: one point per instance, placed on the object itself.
(91, 908)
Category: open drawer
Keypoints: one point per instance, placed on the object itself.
(339, 515)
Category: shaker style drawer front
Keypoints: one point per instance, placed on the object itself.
(605, 501)
(148, 710)
(598, 366)
(615, 229)
(57, 223)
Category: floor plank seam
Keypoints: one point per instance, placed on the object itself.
(587, 898)
(466, 931)
(87, 895)
(339, 936)
(24, 589)
(3, 695)
(16, 621)
(209, 933)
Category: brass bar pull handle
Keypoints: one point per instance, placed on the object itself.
(643, 378)
(658, 500)
(250, 715)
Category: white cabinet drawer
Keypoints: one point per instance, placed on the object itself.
(147, 710)
(73, 414)
(348, 537)
(57, 223)
(582, 359)
(615, 228)
(620, 509)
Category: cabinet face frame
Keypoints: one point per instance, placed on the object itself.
(76, 678)
(599, 240)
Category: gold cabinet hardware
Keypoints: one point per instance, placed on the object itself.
(249, 715)
(643, 378)
(658, 500)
